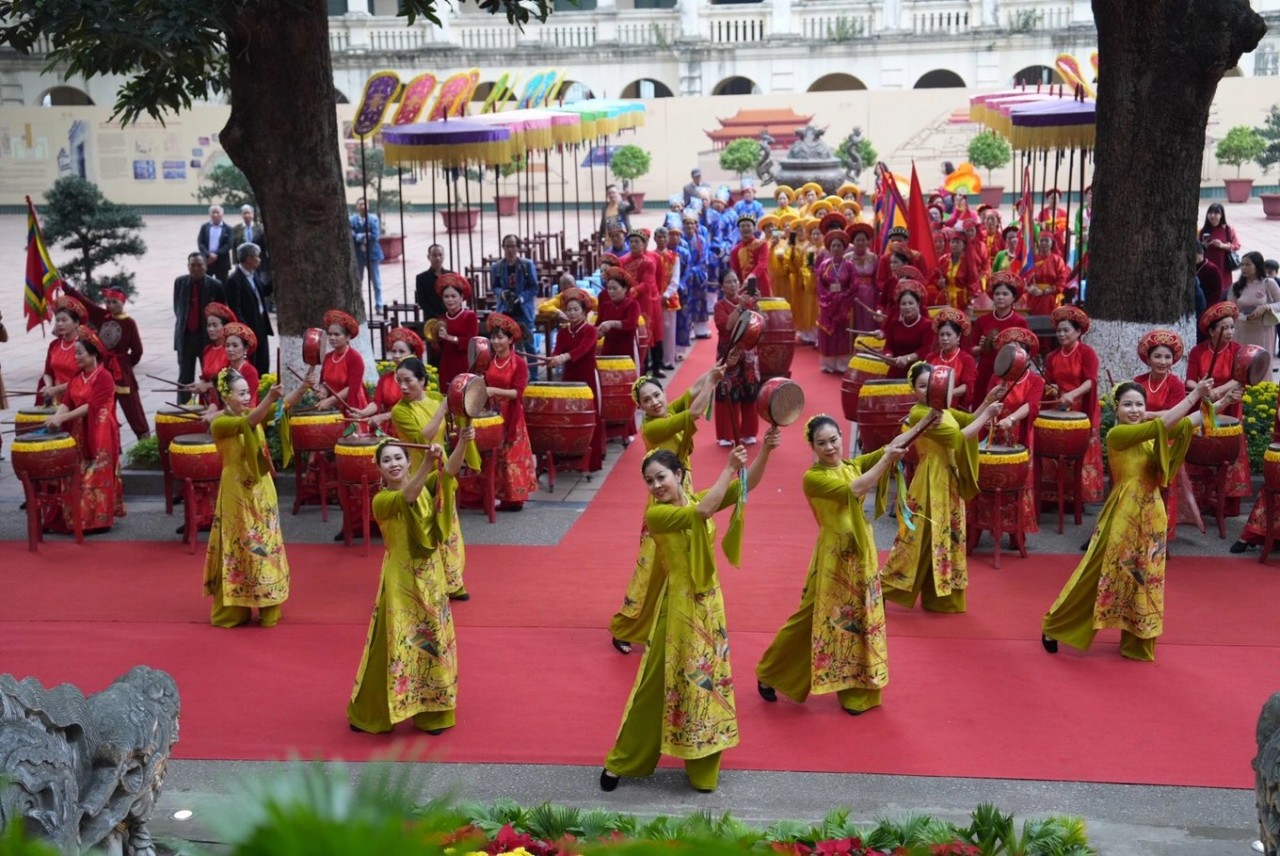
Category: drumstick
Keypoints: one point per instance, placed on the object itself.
(186, 408)
(876, 355)
(170, 382)
(870, 309)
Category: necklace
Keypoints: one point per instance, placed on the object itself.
(67, 344)
(1074, 346)
(336, 358)
(912, 324)
(452, 315)
(1152, 390)
(995, 313)
(500, 365)
(950, 360)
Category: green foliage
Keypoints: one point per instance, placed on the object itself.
(1270, 133)
(740, 156)
(630, 162)
(79, 219)
(173, 54)
(1025, 20)
(866, 151)
(1241, 145)
(1259, 405)
(989, 151)
(144, 454)
(381, 192)
(227, 186)
(14, 842)
(845, 29)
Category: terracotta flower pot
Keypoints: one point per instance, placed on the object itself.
(637, 199)
(460, 220)
(993, 196)
(1238, 189)
(1270, 205)
(392, 247)
(507, 205)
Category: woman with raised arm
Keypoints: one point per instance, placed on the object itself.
(845, 650)
(669, 713)
(927, 560)
(409, 669)
(505, 380)
(456, 328)
(1120, 581)
(245, 566)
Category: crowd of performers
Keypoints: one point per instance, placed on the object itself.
(705, 269)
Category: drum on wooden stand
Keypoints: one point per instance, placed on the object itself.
(1271, 467)
(1003, 467)
(358, 479)
(49, 468)
(777, 345)
(862, 369)
(170, 423)
(882, 407)
(560, 417)
(31, 419)
(316, 430)
(197, 467)
(314, 433)
(617, 376)
(1218, 445)
(1062, 433)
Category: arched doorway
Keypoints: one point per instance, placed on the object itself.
(64, 96)
(646, 87)
(837, 82)
(736, 86)
(940, 78)
(572, 90)
(1037, 74)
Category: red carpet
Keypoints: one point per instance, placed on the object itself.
(970, 695)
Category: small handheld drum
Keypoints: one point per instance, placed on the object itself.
(468, 396)
(747, 330)
(45, 456)
(617, 375)
(1011, 363)
(313, 342)
(478, 354)
(195, 457)
(780, 401)
(1271, 466)
(941, 383)
(1003, 467)
(1251, 366)
(1218, 445)
(1062, 433)
(353, 458)
(560, 417)
(862, 368)
(316, 431)
(32, 418)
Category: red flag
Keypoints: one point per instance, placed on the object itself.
(920, 229)
(41, 274)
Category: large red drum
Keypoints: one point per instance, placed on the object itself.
(561, 418)
(1003, 467)
(45, 456)
(1218, 446)
(32, 419)
(642, 342)
(617, 376)
(490, 431)
(861, 370)
(195, 457)
(1062, 433)
(317, 431)
(1271, 466)
(777, 345)
(354, 459)
(882, 406)
(171, 423)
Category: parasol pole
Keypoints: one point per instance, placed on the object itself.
(577, 192)
(364, 190)
(564, 203)
(546, 187)
(497, 187)
(1071, 172)
(448, 204)
(591, 172)
(466, 187)
(404, 257)
(1057, 166)
(480, 185)
(1044, 174)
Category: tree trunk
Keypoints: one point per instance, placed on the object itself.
(283, 134)
(1159, 66)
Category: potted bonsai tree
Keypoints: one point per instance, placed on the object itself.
(1270, 133)
(629, 163)
(1241, 145)
(990, 151)
(509, 203)
(740, 156)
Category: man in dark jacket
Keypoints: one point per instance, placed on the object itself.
(191, 294)
(247, 296)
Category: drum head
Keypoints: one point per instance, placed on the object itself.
(358, 440)
(194, 440)
(780, 401)
(1002, 450)
(1011, 362)
(478, 354)
(40, 435)
(468, 396)
(746, 332)
(313, 344)
(1253, 364)
(941, 383)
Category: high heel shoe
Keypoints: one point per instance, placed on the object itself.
(621, 646)
(608, 781)
(767, 693)
(1050, 645)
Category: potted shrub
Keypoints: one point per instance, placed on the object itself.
(1241, 145)
(990, 151)
(1270, 133)
(740, 156)
(509, 203)
(629, 163)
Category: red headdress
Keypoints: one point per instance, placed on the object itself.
(1022, 336)
(1216, 312)
(71, 306)
(835, 235)
(619, 273)
(908, 285)
(221, 310)
(455, 281)
(343, 320)
(834, 220)
(86, 335)
(498, 321)
(1007, 278)
(1159, 338)
(114, 294)
(410, 338)
(1074, 314)
(244, 332)
(947, 313)
(910, 272)
(861, 228)
(584, 297)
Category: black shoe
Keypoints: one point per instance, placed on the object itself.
(357, 729)
(608, 781)
(463, 596)
(177, 500)
(181, 530)
(434, 732)
(1084, 548)
(767, 693)
(705, 790)
(1239, 547)
(658, 373)
(510, 506)
(340, 536)
(621, 647)
(668, 368)
(1050, 645)
(853, 712)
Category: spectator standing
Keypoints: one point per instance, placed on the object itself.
(427, 296)
(514, 281)
(694, 188)
(365, 231)
(247, 296)
(214, 243)
(250, 231)
(191, 294)
(617, 210)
